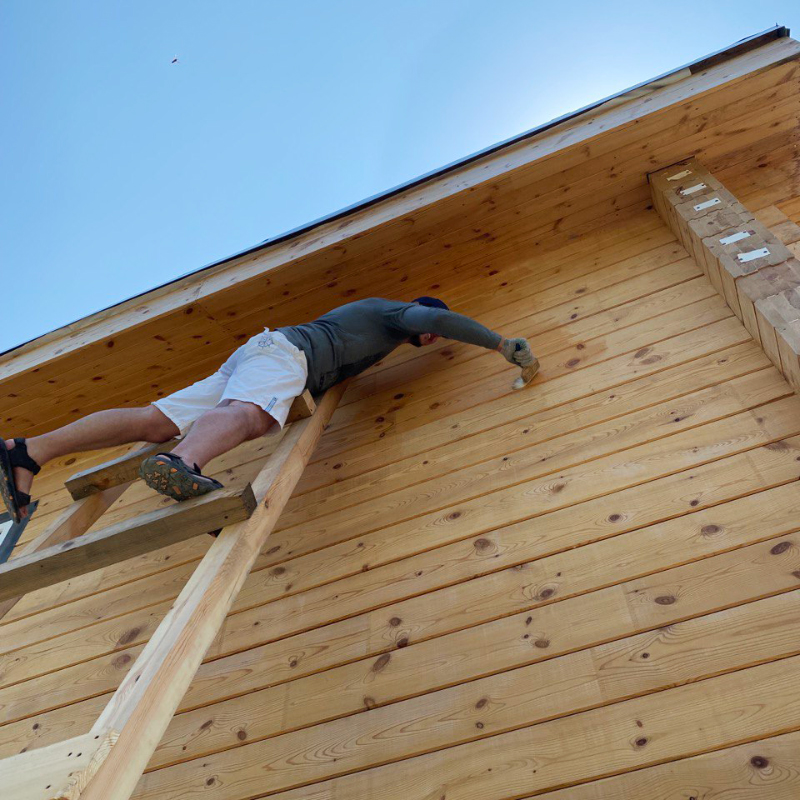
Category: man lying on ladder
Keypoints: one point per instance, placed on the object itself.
(250, 393)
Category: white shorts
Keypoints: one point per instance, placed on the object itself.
(267, 370)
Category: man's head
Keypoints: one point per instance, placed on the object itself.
(422, 339)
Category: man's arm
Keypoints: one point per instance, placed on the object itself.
(415, 319)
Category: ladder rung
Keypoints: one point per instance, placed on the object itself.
(125, 468)
(132, 537)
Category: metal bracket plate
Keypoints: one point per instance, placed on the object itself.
(714, 201)
(736, 237)
(678, 175)
(753, 255)
(692, 189)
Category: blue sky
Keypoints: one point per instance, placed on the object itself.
(122, 171)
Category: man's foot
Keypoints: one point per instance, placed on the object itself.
(170, 475)
(23, 477)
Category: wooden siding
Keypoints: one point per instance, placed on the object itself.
(480, 593)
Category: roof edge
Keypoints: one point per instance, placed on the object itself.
(712, 59)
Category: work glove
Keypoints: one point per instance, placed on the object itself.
(517, 351)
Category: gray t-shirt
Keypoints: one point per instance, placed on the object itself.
(347, 340)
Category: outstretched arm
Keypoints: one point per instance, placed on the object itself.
(416, 319)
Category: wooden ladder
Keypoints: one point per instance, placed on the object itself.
(107, 762)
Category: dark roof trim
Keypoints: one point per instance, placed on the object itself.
(733, 50)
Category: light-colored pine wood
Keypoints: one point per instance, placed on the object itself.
(573, 750)
(142, 706)
(125, 540)
(759, 289)
(58, 772)
(762, 769)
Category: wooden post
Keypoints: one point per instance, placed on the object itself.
(141, 708)
(756, 274)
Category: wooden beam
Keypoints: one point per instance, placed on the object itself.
(133, 537)
(126, 468)
(71, 523)
(754, 271)
(147, 698)
(58, 772)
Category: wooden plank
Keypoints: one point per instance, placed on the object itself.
(585, 746)
(552, 688)
(766, 768)
(125, 540)
(144, 703)
(58, 772)
(567, 626)
(77, 519)
(126, 468)
(68, 525)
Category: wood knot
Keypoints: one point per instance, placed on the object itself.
(642, 353)
(453, 515)
(395, 621)
(615, 517)
(641, 741)
(381, 662)
(241, 734)
(665, 600)
(710, 530)
(777, 446)
(206, 725)
(128, 636)
(369, 702)
(278, 571)
(482, 702)
(779, 548)
(403, 642)
(572, 363)
(546, 592)
(759, 762)
(482, 544)
(542, 644)
(121, 660)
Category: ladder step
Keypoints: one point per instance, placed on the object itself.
(132, 537)
(126, 468)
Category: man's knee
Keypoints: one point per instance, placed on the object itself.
(258, 421)
(158, 426)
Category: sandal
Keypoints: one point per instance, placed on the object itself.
(170, 475)
(14, 499)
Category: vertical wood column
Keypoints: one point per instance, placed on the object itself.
(756, 274)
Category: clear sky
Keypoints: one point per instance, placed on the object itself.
(121, 170)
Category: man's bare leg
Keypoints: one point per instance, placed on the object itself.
(101, 429)
(221, 429)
